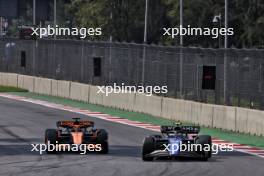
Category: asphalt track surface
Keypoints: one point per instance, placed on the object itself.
(22, 124)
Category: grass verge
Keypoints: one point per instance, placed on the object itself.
(11, 89)
(222, 134)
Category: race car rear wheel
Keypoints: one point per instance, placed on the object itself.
(205, 141)
(104, 146)
(51, 135)
(148, 147)
(102, 137)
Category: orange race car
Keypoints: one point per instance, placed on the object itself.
(77, 132)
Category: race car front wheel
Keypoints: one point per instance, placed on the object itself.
(148, 147)
(51, 135)
(206, 143)
(102, 137)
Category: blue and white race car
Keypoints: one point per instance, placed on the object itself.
(177, 141)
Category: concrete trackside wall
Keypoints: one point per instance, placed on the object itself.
(42, 86)
(64, 88)
(1, 78)
(206, 117)
(12, 79)
(224, 117)
(176, 110)
(123, 101)
(9, 79)
(242, 120)
(54, 87)
(148, 104)
(4, 79)
(188, 111)
(184, 108)
(168, 108)
(94, 97)
(126, 101)
(26, 82)
(255, 122)
(79, 92)
(250, 121)
(196, 110)
(217, 116)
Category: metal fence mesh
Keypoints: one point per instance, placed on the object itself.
(122, 63)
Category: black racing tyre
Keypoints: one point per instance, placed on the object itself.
(51, 135)
(102, 138)
(205, 141)
(104, 146)
(102, 135)
(158, 136)
(148, 147)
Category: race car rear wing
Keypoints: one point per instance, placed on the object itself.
(180, 129)
(74, 123)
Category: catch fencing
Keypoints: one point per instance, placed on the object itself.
(239, 72)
